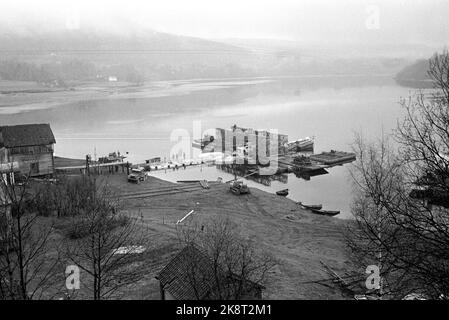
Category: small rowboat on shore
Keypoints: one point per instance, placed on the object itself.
(330, 213)
(283, 192)
(311, 206)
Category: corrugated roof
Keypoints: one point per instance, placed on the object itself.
(26, 135)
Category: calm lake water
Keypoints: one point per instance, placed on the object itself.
(330, 108)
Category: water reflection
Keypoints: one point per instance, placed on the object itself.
(309, 174)
(251, 172)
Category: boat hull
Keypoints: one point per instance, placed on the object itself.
(282, 193)
(311, 206)
(325, 212)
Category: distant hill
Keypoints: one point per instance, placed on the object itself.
(83, 42)
(56, 58)
(415, 75)
(156, 55)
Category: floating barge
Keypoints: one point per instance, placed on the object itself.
(303, 166)
(333, 157)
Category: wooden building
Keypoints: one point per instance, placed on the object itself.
(259, 143)
(28, 148)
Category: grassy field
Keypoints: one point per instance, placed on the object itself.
(68, 162)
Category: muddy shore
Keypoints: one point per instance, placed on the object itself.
(299, 239)
(22, 96)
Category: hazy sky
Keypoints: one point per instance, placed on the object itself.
(405, 21)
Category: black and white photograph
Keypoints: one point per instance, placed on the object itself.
(236, 151)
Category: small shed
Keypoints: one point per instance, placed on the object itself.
(190, 275)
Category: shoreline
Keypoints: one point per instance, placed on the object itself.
(35, 97)
(174, 176)
(19, 102)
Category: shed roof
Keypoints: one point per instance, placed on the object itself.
(26, 135)
(183, 271)
(190, 275)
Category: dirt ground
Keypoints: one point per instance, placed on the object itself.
(297, 238)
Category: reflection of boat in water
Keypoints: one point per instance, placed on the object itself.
(305, 144)
(306, 175)
(311, 206)
(330, 213)
(250, 172)
(283, 192)
(283, 178)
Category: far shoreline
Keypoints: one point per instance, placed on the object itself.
(23, 96)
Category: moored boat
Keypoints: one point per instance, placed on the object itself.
(311, 206)
(330, 213)
(305, 144)
(283, 192)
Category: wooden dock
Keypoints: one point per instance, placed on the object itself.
(98, 168)
(307, 165)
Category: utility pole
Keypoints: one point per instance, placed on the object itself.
(235, 171)
(97, 168)
(87, 164)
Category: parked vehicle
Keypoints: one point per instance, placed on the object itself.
(133, 178)
(139, 173)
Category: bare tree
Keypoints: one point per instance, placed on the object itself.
(104, 244)
(231, 267)
(65, 198)
(28, 263)
(402, 196)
